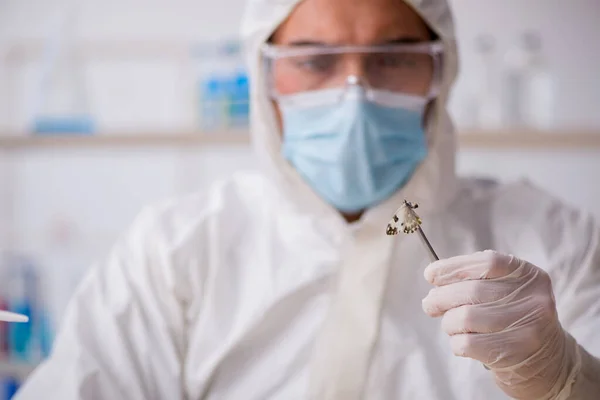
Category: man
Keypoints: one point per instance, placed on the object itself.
(284, 285)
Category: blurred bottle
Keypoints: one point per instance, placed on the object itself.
(24, 344)
(223, 86)
(238, 86)
(5, 263)
(4, 89)
(487, 104)
(42, 334)
(22, 290)
(19, 300)
(211, 104)
(3, 325)
(528, 98)
(61, 102)
(239, 108)
(10, 387)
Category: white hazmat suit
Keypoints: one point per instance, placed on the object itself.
(258, 289)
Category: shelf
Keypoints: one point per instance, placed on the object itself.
(149, 139)
(105, 49)
(466, 140)
(576, 139)
(18, 370)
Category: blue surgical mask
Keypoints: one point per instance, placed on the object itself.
(354, 152)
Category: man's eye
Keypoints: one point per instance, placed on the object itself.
(320, 63)
(394, 60)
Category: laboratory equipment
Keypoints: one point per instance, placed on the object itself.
(486, 91)
(3, 330)
(60, 102)
(528, 93)
(410, 222)
(28, 341)
(10, 387)
(19, 300)
(8, 316)
(24, 335)
(223, 87)
(4, 100)
(239, 109)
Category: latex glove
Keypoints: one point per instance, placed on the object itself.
(501, 311)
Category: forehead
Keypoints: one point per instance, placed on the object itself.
(351, 22)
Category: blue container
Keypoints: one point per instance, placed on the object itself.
(239, 101)
(212, 103)
(44, 333)
(21, 299)
(81, 125)
(20, 334)
(10, 388)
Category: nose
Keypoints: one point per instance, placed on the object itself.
(356, 81)
(354, 66)
(355, 87)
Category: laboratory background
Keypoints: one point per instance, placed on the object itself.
(109, 105)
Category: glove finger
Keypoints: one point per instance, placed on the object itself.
(514, 310)
(443, 298)
(479, 319)
(482, 265)
(497, 350)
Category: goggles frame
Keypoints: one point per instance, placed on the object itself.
(270, 52)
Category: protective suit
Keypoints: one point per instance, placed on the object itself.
(259, 289)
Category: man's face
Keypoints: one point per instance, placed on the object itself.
(352, 22)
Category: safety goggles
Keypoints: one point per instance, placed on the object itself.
(406, 69)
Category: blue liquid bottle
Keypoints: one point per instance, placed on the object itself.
(21, 280)
(61, 104)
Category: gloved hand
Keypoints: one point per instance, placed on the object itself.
(501, 311)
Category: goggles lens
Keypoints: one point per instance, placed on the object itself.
(403, 69)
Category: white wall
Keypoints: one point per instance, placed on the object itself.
(570, 175)
(69, 204)
(124, 19)
(569, 30)
(155, 93)
(570, 33)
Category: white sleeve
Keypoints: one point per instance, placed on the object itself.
(577, 290)
(122, 335)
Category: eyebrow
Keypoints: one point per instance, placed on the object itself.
(406, 40)
(399, 40)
